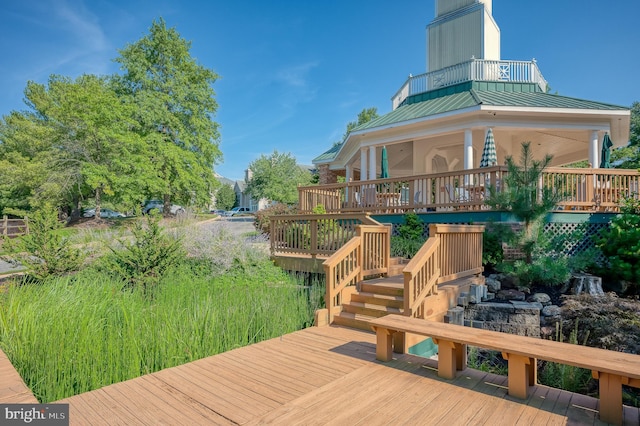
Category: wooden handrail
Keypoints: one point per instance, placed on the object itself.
(368, 253)
(314, 235)
(421, 276)
(585, 189)
(451, 252)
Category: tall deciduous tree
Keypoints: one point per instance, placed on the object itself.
(276, 178)
(628, 157)
(366, 115)
(78, 136)
(175, 102)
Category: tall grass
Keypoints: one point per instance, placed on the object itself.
(71, 335)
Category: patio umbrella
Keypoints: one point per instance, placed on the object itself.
(489, 156)
(605, 162)
(384, 165)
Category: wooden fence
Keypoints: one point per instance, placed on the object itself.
(14, 227)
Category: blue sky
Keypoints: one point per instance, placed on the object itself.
(295, 72)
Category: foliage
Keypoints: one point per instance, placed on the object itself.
(69, 336)
(566, 377)
(492, 251)
(143, 262)
(225, 197)
(365, 116)
(410, 236)
(45, 252)
(76, 141)
(543, 270)
(620, 243)
(175, 103)
(276, 177)
(629, 157)
(262, 221)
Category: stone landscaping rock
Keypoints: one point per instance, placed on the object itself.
(541, 298)
(493, 285)
(510, 294)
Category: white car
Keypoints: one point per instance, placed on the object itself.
(238, 211)
(159, 205)
(104, 213)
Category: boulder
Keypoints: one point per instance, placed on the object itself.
(511, 294)
(542, 298)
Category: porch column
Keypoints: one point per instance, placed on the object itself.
(372, 162)
(593, 150)
(348, 173)
(363, 163)
(468, 155)
(468, 149)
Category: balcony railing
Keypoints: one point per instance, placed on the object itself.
(466, 190)
(472, 70)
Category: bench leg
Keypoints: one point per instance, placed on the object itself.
(461, 356)
(384, 339)
(610, 386)
(398, 342)
(522, 374)
(448, 358)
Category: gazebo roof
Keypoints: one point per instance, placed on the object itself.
(469, 95)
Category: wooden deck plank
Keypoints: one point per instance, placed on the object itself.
(323, 376)
(13, 390)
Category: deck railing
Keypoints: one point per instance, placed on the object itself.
(14, 227)
(466, 190)
(472, 70)
(314, 235)
(451, 252)
(366, 254)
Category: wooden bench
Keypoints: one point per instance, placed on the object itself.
(612, 369)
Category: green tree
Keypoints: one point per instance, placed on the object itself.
(175, 102)
(225, 197)
(75, 142)
(522, 195)
(276, 178)
(366, 115)
(628, 157)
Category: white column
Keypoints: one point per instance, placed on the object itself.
(348, 173)
(593, 150)
(363, 163)
(468, 149)
(372, 162)
(468, 155)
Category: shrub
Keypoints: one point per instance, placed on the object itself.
(410, 237)
(142, 262)
(262, 220)
(621, 243)
(545, 270)
(44, 250)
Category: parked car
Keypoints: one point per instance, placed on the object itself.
(218, 212)
(104, 213)
(238, 211)
(159, 206)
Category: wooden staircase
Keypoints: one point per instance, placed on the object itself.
(378, 297)
(375, 298)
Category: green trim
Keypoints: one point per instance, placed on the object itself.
(426, 348)
(495, 216)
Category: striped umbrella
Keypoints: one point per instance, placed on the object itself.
(489, 156)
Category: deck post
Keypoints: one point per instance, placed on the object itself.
(520, 375)
(447, 358)
(384, 350)
(610, 387)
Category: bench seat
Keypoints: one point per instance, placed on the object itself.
(612, 369)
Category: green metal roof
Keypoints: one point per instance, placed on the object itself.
(470, 94)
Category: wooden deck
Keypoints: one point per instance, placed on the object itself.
(12, 387)
(325, 375)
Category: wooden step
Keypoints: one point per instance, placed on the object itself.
(349, 319)
(391, 286)
(372, 310)
(378, 299)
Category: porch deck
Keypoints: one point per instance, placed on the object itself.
(324, 375)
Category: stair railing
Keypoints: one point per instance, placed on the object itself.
(366, 254)
(451, 252)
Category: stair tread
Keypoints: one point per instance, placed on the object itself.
(379, 296)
